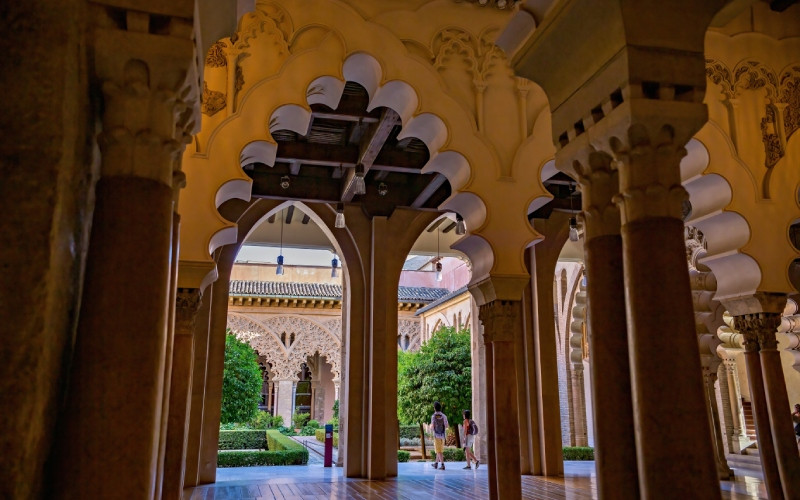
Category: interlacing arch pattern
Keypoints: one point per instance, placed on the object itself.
(286, 356)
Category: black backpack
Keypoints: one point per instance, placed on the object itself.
(438, 424)
(473, 428)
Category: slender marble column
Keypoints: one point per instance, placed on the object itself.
(650, 200)
(501, 325)
(783, 437)
(758, 399)
(197, 391)
(615, 444)
(710, 379)
(128, 264)
(186, 308)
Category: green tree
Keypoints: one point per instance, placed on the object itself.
(439, 371)
(241, 382)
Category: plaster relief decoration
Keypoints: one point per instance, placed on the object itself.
(408, 334)
(216, 57)
(211, 101)
(777, 98)
(286, 342)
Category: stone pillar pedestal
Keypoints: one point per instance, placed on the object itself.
(501, 325)
(285, 403)
(186, 307)
(661, 327)
(615, 444)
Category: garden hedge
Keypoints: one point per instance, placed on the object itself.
(320, 435)
(277, 441)
(450, 455)
(409, 431)
(403, 455)
(242, 440)
(578, 453)
(250, 458)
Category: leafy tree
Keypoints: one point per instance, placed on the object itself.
(439, 371)
(241, 382)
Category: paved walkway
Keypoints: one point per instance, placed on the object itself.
(415, 480)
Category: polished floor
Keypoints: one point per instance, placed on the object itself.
(416, 480)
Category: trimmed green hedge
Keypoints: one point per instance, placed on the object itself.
(278, 442)
(251, 458)
(403, 455)
(320, 435)
(242, 440)
(409, 431)
(578, 453)
(450, 455)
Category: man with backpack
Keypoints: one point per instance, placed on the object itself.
(439, 425)
(470, 430)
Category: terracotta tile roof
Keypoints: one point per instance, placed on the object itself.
(324, 291)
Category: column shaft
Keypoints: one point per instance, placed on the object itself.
(783, 437)
(758, 400)
(506, 436)
(198, 391)
(491, 448)
(615, 443)
(285, 403)
(121, 338)
(723, 470)
(663, 346)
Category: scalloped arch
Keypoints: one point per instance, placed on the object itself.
(470, 206)
(737, 274)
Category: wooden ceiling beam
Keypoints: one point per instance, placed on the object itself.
(423, 197)
(289, 214)
(369, 150)
(449, 227)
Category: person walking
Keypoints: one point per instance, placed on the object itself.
(470, 430)
(796, 421)
(439, 425)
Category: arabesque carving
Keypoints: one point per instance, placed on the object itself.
(789, 94)
(410, 328)
(479, 54)
(499, 318)
(309, 338)
(211, 101)
(216, 57)
(187, 303)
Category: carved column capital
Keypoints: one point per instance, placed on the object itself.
(759, 330)
(599, 182)
(649, 173)
(150, 89)
(187, 304)
(500, 319)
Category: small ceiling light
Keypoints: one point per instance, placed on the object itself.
(461, 228)
(359, 187)
(438, 271)
(339, 223)
(279, 269)
(574, 234)
(382, 189)
(501, 4)
(285, 181)
(438, 266)
(334, 267)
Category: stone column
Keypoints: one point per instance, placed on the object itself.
(660, 320)
(501, 325)
(186, 308)
(710, 379)
(783, 437)
(544, 257)
(198, 390)
(285, 402)
(748, 325)
(615, 444)
(478, 381)
(122, 332)
(729, 395)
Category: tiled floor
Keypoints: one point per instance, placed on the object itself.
(415, 481)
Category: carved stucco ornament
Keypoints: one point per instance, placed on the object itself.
(211, 101)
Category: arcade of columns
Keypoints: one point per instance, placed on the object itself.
(618, 86)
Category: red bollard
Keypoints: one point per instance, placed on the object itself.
(328, 445)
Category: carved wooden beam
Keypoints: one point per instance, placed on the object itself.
(426, 193)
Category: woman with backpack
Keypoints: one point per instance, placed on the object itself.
(470, 430)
